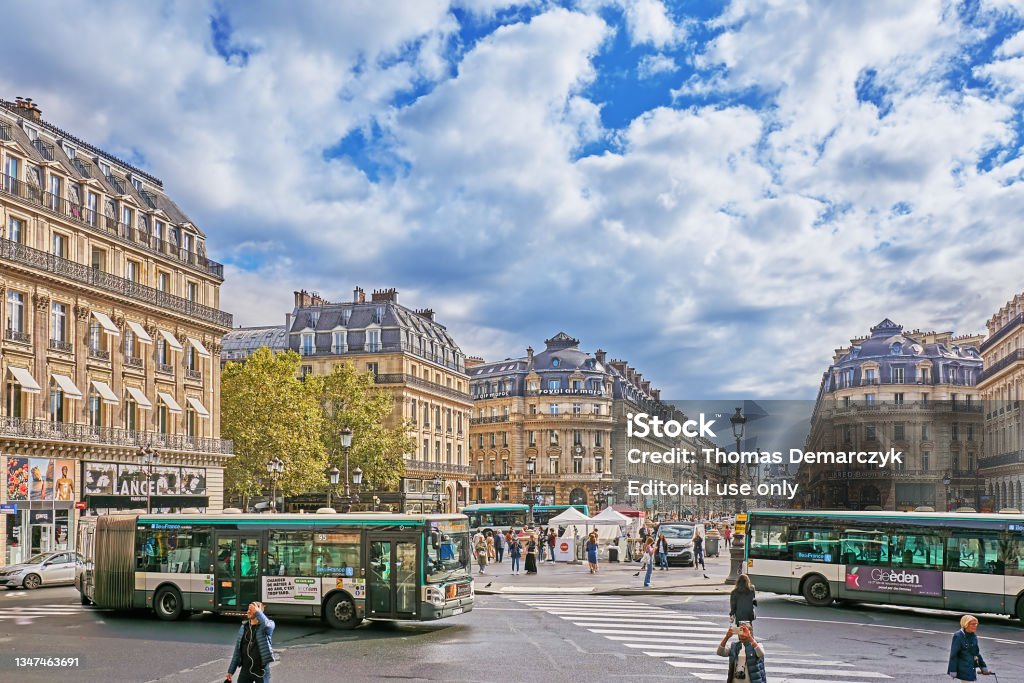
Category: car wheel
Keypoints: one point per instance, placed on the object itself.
(340, 612)
(167, 604)
(817, 591)
(32, 582)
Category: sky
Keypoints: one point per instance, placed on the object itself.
(721, 193)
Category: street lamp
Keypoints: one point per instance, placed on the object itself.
(150, 457)
(606, 493)
(438, 484)
(531, 466)
(357, 479)
(274, 468)
(737, 551)
(333, 475)
(946, 481)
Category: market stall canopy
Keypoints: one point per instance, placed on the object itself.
(610, 516)
(569, 516)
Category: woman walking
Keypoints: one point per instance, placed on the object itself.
(515, 551)
(663, 552)
(649, 550)
(592, 551)
(480, 550)
(490, 548)
(531, 556)
(742, 601)
(964, 654)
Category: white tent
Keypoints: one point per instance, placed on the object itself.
(568, 516)
(610, 516)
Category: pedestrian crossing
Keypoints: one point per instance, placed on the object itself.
(27, 614)
(688, 642)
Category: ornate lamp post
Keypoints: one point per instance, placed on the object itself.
(274, 468)
(438, 486)
(333, 475)
(149, 457)
(346, 443)
(738, 550)
(946, 481)
(531, 466)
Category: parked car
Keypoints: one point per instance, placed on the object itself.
(44, 569)
(679, 537)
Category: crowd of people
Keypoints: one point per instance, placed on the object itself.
(491, 545)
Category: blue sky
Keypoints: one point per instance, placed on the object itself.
(720, 192)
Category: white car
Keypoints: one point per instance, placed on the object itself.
(44, 569)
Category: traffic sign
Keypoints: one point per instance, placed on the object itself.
(8, 508)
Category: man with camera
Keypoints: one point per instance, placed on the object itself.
(746, 656)
(254, 649)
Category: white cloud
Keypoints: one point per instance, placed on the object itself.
(648, 22)
(653, 65)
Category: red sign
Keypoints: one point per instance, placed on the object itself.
(564, 547)
(79, 504)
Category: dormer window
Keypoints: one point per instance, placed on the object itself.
(378, 314)
(104, 168)
(137, 183)
(69, 151)
(896, 349)
(346, 315)
(314, 318)
(31, 132)
(307, 344)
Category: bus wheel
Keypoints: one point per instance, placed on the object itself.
(340, 612)
(167, 604)
(32, 582)
(817, 591)
(1020, 608)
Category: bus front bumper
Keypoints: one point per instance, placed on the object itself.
(451, 608)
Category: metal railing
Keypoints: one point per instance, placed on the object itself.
(165, 369)
(99, 354)
(489, 420)
(114, 436)
(134, 362)
(1000, 460)
(106, 225)
(412, 380)
(19, 253)
(117, 183)
(196, 375)
(1002, 331)
(18, 336)
(5, 131)
(380, 347)
(44, 148)
(437, 467)
(1010, 358)
(61, 345)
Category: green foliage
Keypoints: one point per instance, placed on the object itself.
(269, 413)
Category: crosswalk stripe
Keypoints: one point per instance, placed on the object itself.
(608, 613)
(696, 636)
(779, 670)
(681, 626)
(775, 659)
(682, 632)
(700, 675)
(776, 650)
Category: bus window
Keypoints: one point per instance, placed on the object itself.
(913, 547)
(814, 544)
(290, 553)
(768, 542)
(861, 546)
(975, 552)
(180, 551)
(337, 554)
(1011, 556)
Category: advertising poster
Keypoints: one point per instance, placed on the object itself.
(17, 479)
(291, 589)
(64, 485)
(193, 481)
(886, 580)
(41, 471)
(99, 478)
(165, 481)
(131, 481)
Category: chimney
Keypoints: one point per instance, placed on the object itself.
(358, 296)
(473, 361)
(301, 299)
(427, 313)
(656, 394)
(600, 356)
(385, 295)
(27, 108)
(529, 353)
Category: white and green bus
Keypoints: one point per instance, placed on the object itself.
(342, 568)
(956, 561)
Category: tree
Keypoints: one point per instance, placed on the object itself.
(350, 398)
(270, 413)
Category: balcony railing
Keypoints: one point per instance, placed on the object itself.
(1000, 460)
(114, 436)
(61, 345)
(118, 184)
(18, 336)
(44, 148)
(165, 369)
(1002, 331)
(196, 375)
(412, 380)
(99, 354)
(134, 362)
(488, 420)
(425, 465)
(106, 225)
(19, 253)
(1010, 358)
(379, 347)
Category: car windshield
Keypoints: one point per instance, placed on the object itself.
(38, 559)
(683, 532)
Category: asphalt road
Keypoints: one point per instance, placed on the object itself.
(547, 638)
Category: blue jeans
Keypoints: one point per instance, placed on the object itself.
(515, 563)
(650, 568)
(540, 551)
(663, 559)
(698, 558)
(499, 553)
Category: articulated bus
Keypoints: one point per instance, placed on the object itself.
(342, 568)
(965, 562)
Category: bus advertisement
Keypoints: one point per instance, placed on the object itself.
(342, 568)
(955, 561)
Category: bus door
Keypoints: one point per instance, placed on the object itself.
(392, 577)
(236, 570)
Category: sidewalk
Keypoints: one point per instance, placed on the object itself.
(613, 578)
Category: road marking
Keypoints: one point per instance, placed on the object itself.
(775, 659)
(724, 665)
(895, 628)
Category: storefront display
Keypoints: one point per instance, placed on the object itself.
(40, 496)
(108, 487)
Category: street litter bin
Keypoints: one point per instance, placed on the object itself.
(711, 546)
(613, 554)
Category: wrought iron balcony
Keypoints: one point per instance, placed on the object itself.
(132, 362)
(19, 253)
(412, 380)
(165, 369)
(105, 225)
(44, 148)
(196, 375)
(113, 436)
(99, 354)
(425, 465)
(118, 184)
(488, 420)
(1008, 360)
(61, 345)
(18, 336)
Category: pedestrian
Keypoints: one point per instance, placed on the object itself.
(648, 561)
(746, 657)
(515, 551)
(542, 545)
(592, 551)
(698, 551)
(743, 601)
(254, 647)
(663, 552)
(552, 540)
(480, 550)
(531, 556)
(490, 548)
(964, 654)
(499, 546)
(727, 535)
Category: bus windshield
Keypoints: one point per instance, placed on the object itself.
(448, 556)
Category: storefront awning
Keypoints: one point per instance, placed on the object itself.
(140, 332)
(169, 401)
(139, 398)
(198, 406)
(25, 379)
(105, 393)
(198, 346)
(106, 323)
(171, 341)
(67, 386)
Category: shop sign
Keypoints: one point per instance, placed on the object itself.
(80, 505)
(40, 517)
(8, 509)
